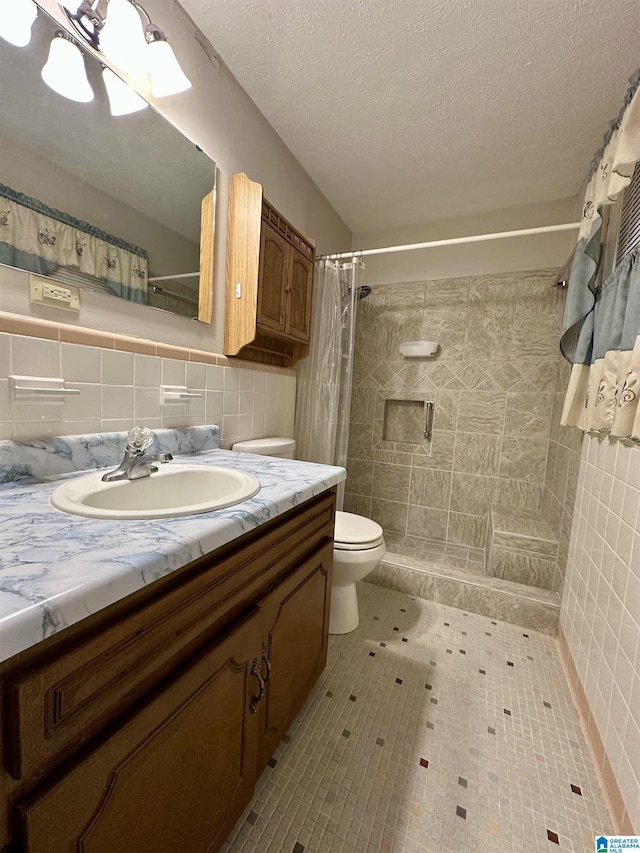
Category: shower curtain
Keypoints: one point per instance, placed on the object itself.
(323, 396)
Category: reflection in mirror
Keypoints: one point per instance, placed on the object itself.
(111, 203)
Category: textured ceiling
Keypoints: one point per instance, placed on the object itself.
(408, 110)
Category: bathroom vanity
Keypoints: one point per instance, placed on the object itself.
(144, 726)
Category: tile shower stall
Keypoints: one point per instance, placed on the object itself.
(479, 514)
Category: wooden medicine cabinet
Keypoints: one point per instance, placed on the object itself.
(269, 280)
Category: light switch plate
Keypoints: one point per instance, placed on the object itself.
(54, 294)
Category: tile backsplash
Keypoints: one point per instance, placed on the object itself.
(118, 389)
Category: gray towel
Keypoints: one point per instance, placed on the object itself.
(577, 326)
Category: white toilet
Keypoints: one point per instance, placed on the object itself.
(358, 544)
(358, 547)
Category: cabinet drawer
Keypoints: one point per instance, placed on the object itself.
(57, 702)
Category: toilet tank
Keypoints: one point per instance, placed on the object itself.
(282, 447)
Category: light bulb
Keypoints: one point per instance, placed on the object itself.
(122, 38)
(167, 78)
(16, 24)
(64, 71)
(123, 100)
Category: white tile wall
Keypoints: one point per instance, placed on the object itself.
(118, 389)
(600, 614)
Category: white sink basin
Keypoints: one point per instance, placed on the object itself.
(174, 490)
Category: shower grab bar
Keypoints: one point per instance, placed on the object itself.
(428, 422)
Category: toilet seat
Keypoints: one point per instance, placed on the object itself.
(356, 533)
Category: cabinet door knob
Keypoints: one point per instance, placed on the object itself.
(256, 670)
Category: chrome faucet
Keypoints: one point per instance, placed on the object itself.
(136, 462)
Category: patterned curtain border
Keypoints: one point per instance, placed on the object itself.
(59, 215)
(31, 240)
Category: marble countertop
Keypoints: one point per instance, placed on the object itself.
(56, 569)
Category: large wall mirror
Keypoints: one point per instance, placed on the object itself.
(111, 203)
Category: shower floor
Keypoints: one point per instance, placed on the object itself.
(455, 575)
(436, 553)
(432, 730)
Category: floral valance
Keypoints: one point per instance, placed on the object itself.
(601, 328)
(40, 239)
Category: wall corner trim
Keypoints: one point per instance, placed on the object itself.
(613, 798)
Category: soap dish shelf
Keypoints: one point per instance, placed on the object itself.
(40, 389)
(418, 349)
(176, 394)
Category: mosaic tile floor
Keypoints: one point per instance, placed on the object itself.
(430, 731)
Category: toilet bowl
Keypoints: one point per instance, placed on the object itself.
(358, 548)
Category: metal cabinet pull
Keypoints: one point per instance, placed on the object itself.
(267, 663)
(257, 671)
(428, 413)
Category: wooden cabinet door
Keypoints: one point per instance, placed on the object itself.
(297, 613)
(174, 776)
(299, 289)
(275, 260)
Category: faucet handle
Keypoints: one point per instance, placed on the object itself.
(139, 438)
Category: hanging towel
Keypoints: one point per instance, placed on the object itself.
(577, 325)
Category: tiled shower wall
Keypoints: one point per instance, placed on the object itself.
(561, 473)
(600, 613)
(493, 383)
(119, 389)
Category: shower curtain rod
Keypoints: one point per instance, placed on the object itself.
(476, 238)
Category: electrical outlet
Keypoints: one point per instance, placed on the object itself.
(54, 294)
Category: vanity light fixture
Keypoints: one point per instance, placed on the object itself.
(122, 38)
(125, 33)
(16, 23)
(167, 78)
(123, 100)
(64, 70)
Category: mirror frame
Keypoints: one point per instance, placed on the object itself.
(207, 237)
